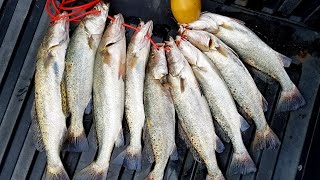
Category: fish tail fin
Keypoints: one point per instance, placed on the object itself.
(130, 158)
(215, 177)
(174, 156)
(54, 172)
(241, 163)
(93, 171)
(286, 61)
(243, 124)
(219, 145)
(75, 141)
(291, 99)
(154, 175)
(265, 139)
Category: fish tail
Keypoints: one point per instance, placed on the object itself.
(241, 163)
(265, 139)
(215, 177)
(154, 175)
(130, 158)
(54, 172)
(291, 99)
(75, 141)
(93, 171)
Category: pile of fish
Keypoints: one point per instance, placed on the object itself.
(197, 76)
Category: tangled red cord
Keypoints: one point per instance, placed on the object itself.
(78, 13)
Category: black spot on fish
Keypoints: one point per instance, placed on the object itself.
(56, 68)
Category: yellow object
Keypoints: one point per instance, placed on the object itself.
(186, 11)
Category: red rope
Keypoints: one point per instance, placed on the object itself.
(137, 29)
(78, 15)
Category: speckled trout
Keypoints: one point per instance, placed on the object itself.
(221, 104)
(49, 121)
(240, 83)
(254, 52)
(108, 97)
(159, 132)
(137, 57)
(79, 73)
(195, 122)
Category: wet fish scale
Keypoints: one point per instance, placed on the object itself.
(79, 73)
(160, 113)
(48, 118)
(108, 98)
(243, 89)
(196, 127)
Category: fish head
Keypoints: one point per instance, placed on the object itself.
(201, 39)
(212, 18)
(95, 22)
(203, 24)
(157, 63)
(58, 31)
(176, 60)
(139, 38)
(188, 50)
(115, 31)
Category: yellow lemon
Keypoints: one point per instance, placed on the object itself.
(186, 11)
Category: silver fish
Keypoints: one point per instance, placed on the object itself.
(195, 122)
(79, 73)
(221, 104)
(159, 131)
(137, 57)
(256, 53)
(49, 121)
(108, 97)
(240, 83)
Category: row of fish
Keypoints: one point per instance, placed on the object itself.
(196, 76)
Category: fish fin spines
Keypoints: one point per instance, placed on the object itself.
(241, 163)
(291, 99)
(286, 61)
(174, 156)
(264, 103)
(76, 142)
(264, 77)
(219, 145)
(244, 125)
(56, 173)
(220, 132)
(35, 127)
(265, 139)
(89, 107)
(120, 140)
(93, 172)
(215, 177)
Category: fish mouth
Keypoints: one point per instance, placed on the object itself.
(101, 6)
(119, 20)
(202, 40)
(146, 28)
(62, 25)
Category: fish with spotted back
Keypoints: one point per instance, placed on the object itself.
(195, 124)
(108, 98)
(137, 57)
(239, 82)
(79, 74)
(221, 103)
(265, 61)
(48, 119)
(159, 131)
